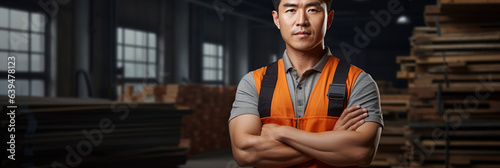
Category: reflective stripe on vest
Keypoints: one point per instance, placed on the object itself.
(322, 111)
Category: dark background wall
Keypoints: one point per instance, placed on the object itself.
(83, 37)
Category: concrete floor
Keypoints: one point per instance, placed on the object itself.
(221, 158)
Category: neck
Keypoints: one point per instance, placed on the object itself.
(304, 60)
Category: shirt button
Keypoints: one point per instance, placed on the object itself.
(300, 87)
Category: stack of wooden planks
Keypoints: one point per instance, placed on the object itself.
(453, 77)
(69, 132)
(464, 16)
(471, 144)
(472, 73)
(390, 150)
(207, 128)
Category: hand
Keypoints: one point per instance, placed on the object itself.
(351, 119)
(270, 131)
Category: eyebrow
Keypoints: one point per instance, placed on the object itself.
(288, 4)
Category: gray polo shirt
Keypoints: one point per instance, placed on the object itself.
(364, 92)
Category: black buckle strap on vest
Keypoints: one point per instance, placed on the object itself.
(267, 90)
(337, 90)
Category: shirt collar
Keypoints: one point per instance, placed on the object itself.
(318, 67)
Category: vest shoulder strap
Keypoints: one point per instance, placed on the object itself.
(337, 90)
(267, 90)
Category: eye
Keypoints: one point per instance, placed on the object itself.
(312, 10)
(289, 10)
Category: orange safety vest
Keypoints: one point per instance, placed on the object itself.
(317, 117)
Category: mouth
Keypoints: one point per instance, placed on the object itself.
(302, 34)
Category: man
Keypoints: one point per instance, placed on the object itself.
(291, 113)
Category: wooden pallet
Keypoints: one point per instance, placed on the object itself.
(468, 2)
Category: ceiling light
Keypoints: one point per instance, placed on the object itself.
(403, 20)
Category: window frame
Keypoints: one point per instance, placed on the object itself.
(29, 75)
(219, 58)
(147, 47)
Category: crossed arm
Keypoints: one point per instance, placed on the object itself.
(352, 142)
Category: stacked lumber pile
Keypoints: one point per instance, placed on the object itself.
(69, 132)
(464, 16)
(471, 144)
(207, 128)
(467, 55)
(390, 150)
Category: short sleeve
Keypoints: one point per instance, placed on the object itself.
(247, 98)
(365, 93)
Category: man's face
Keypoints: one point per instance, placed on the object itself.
(303, 23)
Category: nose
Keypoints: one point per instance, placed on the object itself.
(302, 18)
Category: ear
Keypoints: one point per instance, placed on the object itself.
(330, 18)
(276, 19)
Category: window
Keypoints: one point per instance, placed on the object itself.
(136, 54)
(213, 63)
(22, 35)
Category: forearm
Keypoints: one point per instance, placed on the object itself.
(338, 148)
(257, 151)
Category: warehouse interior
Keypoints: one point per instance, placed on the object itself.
(151, 83)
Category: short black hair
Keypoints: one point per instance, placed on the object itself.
(276, 3)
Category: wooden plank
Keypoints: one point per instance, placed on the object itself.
(440, 54)
(405, 75)
(468, 46)
(432, 111)
(389, 140)
(408, 66)
(455, 160)
(462, 143)
(432, 10)
(434, 117)
(391, 130)
(469, 28)
(458, 37)
(405, 59)
(459, 106)
(444, 2)
(461, 9)
(463, 134)
(395, 99)
(440, 77)
(454, 59)
(476, 19)
(445, 90)
(424, 30)
(395, 102)
(473, 68)
(427, 80)
(467, 9)
(465, 86)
